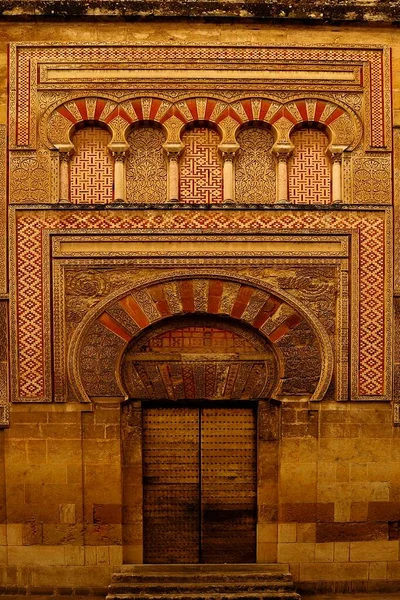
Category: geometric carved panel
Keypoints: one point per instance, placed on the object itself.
(146, 167)
(309, 168)
(255, 167)
(91, 167)
(201, 167)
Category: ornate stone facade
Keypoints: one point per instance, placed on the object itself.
(186, 224)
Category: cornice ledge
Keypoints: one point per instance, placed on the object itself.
(371, 12)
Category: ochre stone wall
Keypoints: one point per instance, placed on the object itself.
(333, 510)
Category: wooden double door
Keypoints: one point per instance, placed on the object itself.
(200, 483)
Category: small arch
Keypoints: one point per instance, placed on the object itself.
(255, 164)
(309, 167)
(92, 166)
(201, 168)
(146, 164)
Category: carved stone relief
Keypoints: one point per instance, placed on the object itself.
(255, 167)
(372, 180)
(146, 168)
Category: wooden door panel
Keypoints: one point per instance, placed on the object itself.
(171, 485)
(228, 485)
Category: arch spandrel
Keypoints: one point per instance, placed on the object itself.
(269, 312)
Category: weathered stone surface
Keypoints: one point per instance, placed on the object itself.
(319, 11)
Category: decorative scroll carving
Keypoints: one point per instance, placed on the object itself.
(255, 172)
(146, 170)
(309, 168)
(201, 167)
(97, 362)
(372, 180)
(30, 177)
(91, 167)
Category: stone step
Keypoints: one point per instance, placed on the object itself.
(266, 595)
(204, 568)
(203, 582)
(201, 587)
(217, 577)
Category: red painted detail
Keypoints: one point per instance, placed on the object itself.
(269, 309)
(122, 113)
(278, 115)
(242, 300)
(112, 325)
(177, 113)
(112, 115)
(264, 109)
(187, 296)
(290, 323)
(289, 116)
(192, 106)
(232, 113)
(215, 291)
(223, 115)
(335, 115)
(137, 107)
(157, 294)
(167, 115)
(132, 308)
(155, 105)
(302, 108)
(248, 109)
(100, 104)
(65, 113)
(209, 108)
(81, 105)
(319, 109)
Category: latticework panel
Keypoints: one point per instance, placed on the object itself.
(201, 167)
(92, 167)
(255, 177)
(146, 168)
(309, 168)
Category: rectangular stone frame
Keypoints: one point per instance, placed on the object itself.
(375, 319)
(253, 259)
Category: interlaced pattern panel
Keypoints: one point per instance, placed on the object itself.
(255, 167)
(201, 167)
(91, 167)
(309, 168)
(146, 168)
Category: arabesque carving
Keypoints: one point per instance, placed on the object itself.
(146, 166)
(255, 167)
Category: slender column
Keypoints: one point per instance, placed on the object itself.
(229, 191)
(173, 176)
(65, 158)
(337, 178)
(119, 177)
(282, 180)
